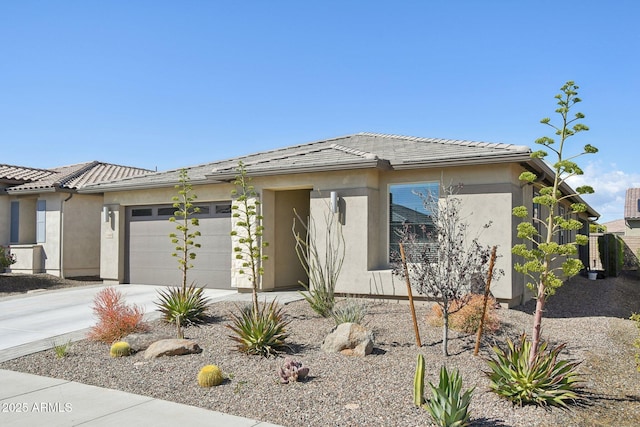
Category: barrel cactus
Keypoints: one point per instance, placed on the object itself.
(209, 376)
(120, 349)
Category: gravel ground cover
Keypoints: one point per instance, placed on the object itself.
(591, 316)
(14, 284)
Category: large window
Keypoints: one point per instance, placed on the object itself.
(407, 210)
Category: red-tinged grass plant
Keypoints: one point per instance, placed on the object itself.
(466, 315)
(116, 319)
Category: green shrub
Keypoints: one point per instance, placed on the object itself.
(352, 311)
(636, 318)
(545, 382)
(447, 406)
(210, 376)
(6, 258)
(263, 332)
(61, 350)
(189, 304)
(120, 349)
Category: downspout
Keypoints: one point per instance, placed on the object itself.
(61, 239)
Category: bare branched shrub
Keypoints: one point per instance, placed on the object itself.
(446, 266)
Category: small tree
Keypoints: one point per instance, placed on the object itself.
(447, 267)
(543, 254)
(248, 230)
(184, 219)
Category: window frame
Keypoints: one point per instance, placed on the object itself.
(428, 187)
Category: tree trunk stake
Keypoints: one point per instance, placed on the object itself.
(413, 309)
(486, 299)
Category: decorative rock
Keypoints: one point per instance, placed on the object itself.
(349, 339)
(172, 347)
(142, 341)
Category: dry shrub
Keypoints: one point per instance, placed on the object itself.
(116, 319)
(467, 318)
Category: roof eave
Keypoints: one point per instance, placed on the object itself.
(541, 166)
(113, 187)
(39, 190)
(366, 164)
(447, 162)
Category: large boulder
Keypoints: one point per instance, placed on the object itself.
(172, 347)
(350, 339)
(142, 340)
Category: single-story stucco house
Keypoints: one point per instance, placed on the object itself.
(48, 225)
(372, 178)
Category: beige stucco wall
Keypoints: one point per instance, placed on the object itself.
(632, 228)
(5, 218)
(81, 241)
(489, 194)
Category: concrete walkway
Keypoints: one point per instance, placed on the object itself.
(35, 321)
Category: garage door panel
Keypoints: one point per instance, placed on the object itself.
(150, 248)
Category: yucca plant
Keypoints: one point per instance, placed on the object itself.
(546, 381)
(352, 311)
(262, 332)
(186, 305)
(447, 406)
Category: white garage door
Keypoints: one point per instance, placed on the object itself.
(149, 259)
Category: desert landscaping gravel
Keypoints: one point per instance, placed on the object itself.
(590, 316)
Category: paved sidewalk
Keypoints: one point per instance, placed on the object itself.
(33, 322)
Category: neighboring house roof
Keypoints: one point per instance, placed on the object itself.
(10, 174)
(362, 150)
(616, 226)
(632, 204)
(68, 178)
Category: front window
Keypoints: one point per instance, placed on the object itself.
(407, 210)
(41, 221)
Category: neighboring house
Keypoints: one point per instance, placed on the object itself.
(632, 220)
(373, 178)
(632, 212)
(49, 226)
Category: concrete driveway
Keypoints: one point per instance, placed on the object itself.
(35, 321)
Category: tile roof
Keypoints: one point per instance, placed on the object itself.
(18, 174)
(632, 204)
(362, 150)
(70, 177)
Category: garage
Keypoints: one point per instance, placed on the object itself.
(149, 257)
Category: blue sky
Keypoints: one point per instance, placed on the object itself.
(166, 84)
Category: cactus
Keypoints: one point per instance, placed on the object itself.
(292, 371)
(210, 376)
(418, 382)
(120, 349)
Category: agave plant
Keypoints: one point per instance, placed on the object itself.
(352, 311)
(186, 305)
(262, 332)
(546, 381)
(447, 406)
